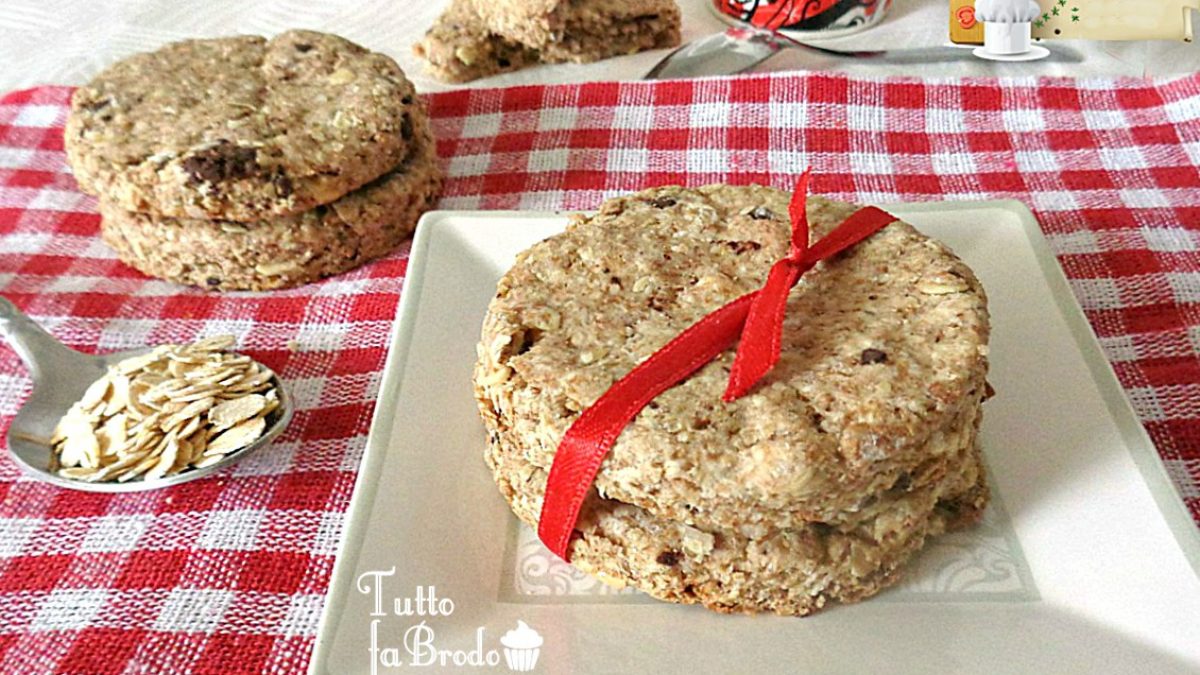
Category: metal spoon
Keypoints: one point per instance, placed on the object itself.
(737, 49)
(60, 377)
(743, 47)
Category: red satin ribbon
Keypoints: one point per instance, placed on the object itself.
(756, 317)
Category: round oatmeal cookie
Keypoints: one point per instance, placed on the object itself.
(883, 348)
(792, 571)
(240, 128)
(287, 251)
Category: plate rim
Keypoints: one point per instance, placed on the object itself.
(1141, 449)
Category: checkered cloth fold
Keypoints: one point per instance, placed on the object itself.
(228, 574)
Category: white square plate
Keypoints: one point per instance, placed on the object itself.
(1087, 562)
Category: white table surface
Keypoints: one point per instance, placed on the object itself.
(67, 41)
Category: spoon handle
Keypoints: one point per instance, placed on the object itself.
(37, 348)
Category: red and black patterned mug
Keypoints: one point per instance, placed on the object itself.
(811, 17)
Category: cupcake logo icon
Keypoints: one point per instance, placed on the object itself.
(521, 648)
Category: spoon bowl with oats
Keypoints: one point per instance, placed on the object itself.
(141, 419)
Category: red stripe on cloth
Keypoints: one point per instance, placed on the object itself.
(101, 651)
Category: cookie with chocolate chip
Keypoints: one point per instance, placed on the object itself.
(240, 128)
(286, 251)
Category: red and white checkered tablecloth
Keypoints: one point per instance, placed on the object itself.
(227, 574)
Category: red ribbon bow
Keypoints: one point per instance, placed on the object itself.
(757, 317)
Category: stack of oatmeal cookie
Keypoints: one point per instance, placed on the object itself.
(820, 483)
(247, 163)
(480, 38)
